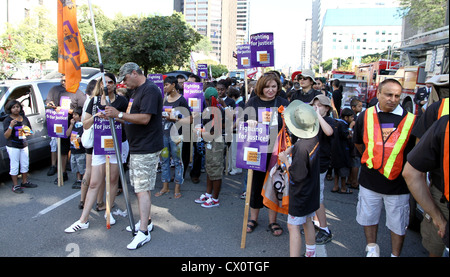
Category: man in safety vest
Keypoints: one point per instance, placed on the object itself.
(432, 153)
(382, 135)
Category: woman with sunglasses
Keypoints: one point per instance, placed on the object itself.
(97, 183)
(307, 93)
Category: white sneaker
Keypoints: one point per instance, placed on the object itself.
(112, 221)
(138, 225)
(373, 250)
(233, 172)
(139, 240)
(203, 198)
(77, 226)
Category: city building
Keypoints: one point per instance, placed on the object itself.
(217, 20)
(358, 32)
(319, 10)
(243, 22)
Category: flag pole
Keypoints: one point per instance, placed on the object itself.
(113, 131)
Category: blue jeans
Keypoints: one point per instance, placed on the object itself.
(174, 151)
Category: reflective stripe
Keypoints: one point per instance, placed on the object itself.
(401, 141)
(446, 164)
(370, 134)
(444, 109)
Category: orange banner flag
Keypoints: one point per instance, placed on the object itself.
(71, 52)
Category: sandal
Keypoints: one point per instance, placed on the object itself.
(347, 191)
(251, 228)
(177, 195)
(275, 227)
(161, 193)
(100, 207)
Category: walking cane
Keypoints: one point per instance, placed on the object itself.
(113, 131)
(108, 193)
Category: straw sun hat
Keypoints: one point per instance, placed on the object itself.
(302, 120)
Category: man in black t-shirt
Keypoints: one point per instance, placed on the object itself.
(429, 155)
(143, 126)
(384, 121)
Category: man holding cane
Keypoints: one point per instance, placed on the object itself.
(143, 126)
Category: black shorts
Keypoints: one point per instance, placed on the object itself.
(256, 199)
(65, 146)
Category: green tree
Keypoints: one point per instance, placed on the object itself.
(157, 43)
(34, 38)
(427, 14)
(218, 70)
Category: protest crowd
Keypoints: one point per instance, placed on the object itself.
(304, 137)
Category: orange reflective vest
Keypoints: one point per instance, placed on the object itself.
(385, 156)
(444, 109)
(445, 163)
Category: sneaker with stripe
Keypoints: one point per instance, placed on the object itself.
(77, 226)
(202, 199)
(211, 203)
(139, 240)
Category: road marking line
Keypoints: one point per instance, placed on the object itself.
(56, 205)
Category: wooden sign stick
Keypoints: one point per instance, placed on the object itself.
(247, 207)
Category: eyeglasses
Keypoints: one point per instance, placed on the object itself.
(110, 82)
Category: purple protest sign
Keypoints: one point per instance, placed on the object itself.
(244, 56)
(262, 48)
(103, 140)
(252, 145)
(202, 71)
(57, 123)
(158, 80)
(193, 93)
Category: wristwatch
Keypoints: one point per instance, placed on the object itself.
(120, 115)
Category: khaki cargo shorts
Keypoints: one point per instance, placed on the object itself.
(214, 160)
(431, 241)
(143, 171)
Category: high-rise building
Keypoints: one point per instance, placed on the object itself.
(217, 20)
(243, 22)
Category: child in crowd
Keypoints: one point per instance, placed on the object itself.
(214, 147)
(78, 153)
(16, 128)
(304, 171)
(356, 106)
(342, 147)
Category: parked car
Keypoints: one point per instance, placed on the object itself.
(32, 95)
(179, 72)
(87, 74)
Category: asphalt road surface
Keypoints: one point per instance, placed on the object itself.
(33, 225)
